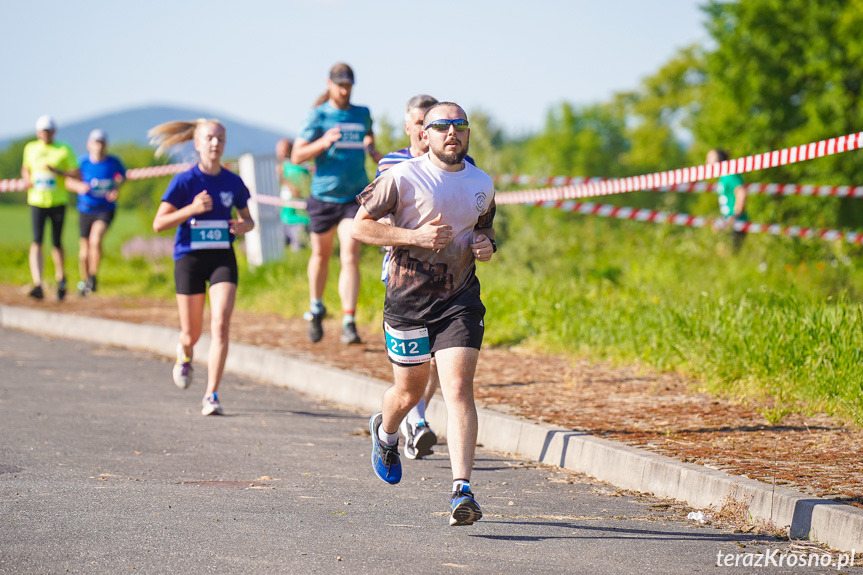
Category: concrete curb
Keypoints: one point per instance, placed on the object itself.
(840, 526)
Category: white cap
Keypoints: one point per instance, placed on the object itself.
(45, 123)
(98, 135)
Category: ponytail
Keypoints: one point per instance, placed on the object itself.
(321, 99)
(170, 134)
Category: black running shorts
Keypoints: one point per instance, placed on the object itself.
(87, 220)
(324, 216)
(462, 329)
(195, 269)
(39, 216)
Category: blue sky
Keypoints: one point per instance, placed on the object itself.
(266, 61)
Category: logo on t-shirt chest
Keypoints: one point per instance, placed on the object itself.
(227, 198)
(480, 201)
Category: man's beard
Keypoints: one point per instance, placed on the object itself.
(453, 158)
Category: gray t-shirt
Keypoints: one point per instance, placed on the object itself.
(423, 284)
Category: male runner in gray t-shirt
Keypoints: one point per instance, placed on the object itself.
(442, 210)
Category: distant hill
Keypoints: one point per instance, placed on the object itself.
(131, 126)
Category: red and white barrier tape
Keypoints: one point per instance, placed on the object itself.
(156, 171)
(279, 202)
(696, 173)
(591, 187)
(12, 186)
(702, 187)
(597, 187)
(554, 181)
(17, 185)
(776, 189)
(644, 215)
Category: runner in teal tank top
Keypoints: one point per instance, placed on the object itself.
(337, 135)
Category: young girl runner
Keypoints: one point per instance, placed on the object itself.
(199, 203)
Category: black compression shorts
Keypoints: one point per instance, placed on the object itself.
(39, 216)
(195, 269)
(87, 220)
(324, 216)
(464, 329)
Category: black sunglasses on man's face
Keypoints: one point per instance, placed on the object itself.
(459, 124)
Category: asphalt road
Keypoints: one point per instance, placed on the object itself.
(105, 467)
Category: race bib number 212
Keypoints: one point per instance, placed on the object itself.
(408, 347)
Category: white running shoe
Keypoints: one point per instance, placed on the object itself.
(423, 440)
(210, 405)
(182, 374)
(182, 369)
(407, 431)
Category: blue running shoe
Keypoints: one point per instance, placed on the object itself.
(464, 509)
(385, 460)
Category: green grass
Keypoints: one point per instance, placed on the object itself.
(282, 287)
(779, 324)
(117, 276)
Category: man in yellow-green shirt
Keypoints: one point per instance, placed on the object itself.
(45, 167)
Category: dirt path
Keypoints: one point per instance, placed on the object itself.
(659, 412)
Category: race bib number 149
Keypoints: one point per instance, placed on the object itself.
(210, 235)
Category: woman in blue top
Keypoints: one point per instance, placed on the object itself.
(199, 203)
(101, 178)
(337, 135)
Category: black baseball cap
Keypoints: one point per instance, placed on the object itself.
(341, 73)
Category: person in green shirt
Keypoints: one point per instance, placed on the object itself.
(44, 169)
(732, 198)
(293, 184)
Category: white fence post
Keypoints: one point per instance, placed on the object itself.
(266, 242)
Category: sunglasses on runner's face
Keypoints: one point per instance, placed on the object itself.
(443, 125)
